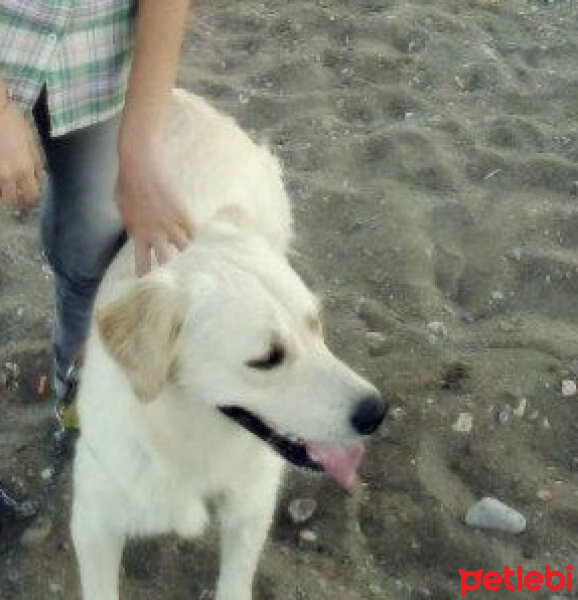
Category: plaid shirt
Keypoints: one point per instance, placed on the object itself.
(79, 49)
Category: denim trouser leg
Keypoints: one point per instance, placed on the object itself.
(81, 227)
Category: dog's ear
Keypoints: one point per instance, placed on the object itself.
(139, 330)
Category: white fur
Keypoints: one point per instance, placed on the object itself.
(167, 350)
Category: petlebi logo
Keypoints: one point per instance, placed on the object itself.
(516, 580)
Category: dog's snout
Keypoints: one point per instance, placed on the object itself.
(369, 414)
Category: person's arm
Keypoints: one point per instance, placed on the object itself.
(21, 164)
(154, 213)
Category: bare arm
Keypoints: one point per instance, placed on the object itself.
(156, 216)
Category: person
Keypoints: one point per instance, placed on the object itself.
(84, 89)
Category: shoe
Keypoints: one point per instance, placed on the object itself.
(13, 508)
(66, 414)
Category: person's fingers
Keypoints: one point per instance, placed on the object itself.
(9, 191)
(184, 219)
(179, 238)
(142, 255)
(27, 188)
(163, 250)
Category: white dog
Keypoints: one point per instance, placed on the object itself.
(203, 377)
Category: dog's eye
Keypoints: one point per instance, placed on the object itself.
(272, 359)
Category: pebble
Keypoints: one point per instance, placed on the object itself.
(504, 414)
(308, 535)
(10, 376)
(486, 3)
(490, 513)
(301, 509)
(520, 410)
(376, 342)
(55, 588)
(568, 388)
(37, 532)
(544, 495)
(47, 473)
(437, 328)
(464, 423)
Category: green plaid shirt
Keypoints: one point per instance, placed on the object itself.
(79, 49)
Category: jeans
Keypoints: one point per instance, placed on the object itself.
(80, 226)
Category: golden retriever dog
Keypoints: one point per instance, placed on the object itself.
(205, 377)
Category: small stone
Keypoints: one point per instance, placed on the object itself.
(517, 254)
(301, 509)
(307, 535)
(490, 513)
(520, 410)
(55, 588)
(486, 3)
(376, 342)
(37, 532)
(496, 296)
(464, 423)
(546, 423)
(454, 374)
(504, 414)
(437, 328)
(568, 388)
(47, 473)
(506, 326)
(544, 495)
(533, 415)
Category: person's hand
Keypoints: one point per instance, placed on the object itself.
(21, 162)
(154, 212)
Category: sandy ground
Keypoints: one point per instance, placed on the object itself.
(431, 151)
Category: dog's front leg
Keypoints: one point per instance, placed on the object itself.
(245, 522)
(98, 551)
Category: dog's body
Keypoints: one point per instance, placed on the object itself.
(201, 376)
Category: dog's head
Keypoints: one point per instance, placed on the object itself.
(230, 324)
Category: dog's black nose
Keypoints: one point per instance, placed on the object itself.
(369, 414)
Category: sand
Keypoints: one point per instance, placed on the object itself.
(431, 151)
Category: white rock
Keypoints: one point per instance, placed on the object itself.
(37, 532)
(47, 473)
(464, 423)
(544, 495)
(376, 342)
(307, 535)
(568, 388)
(437, 328)
(504, 414)
(520, 410)
(55, 588)
(301, 509)
(490, 513)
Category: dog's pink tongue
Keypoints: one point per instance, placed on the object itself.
(339, 462)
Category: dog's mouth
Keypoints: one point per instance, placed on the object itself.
(339, 462)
